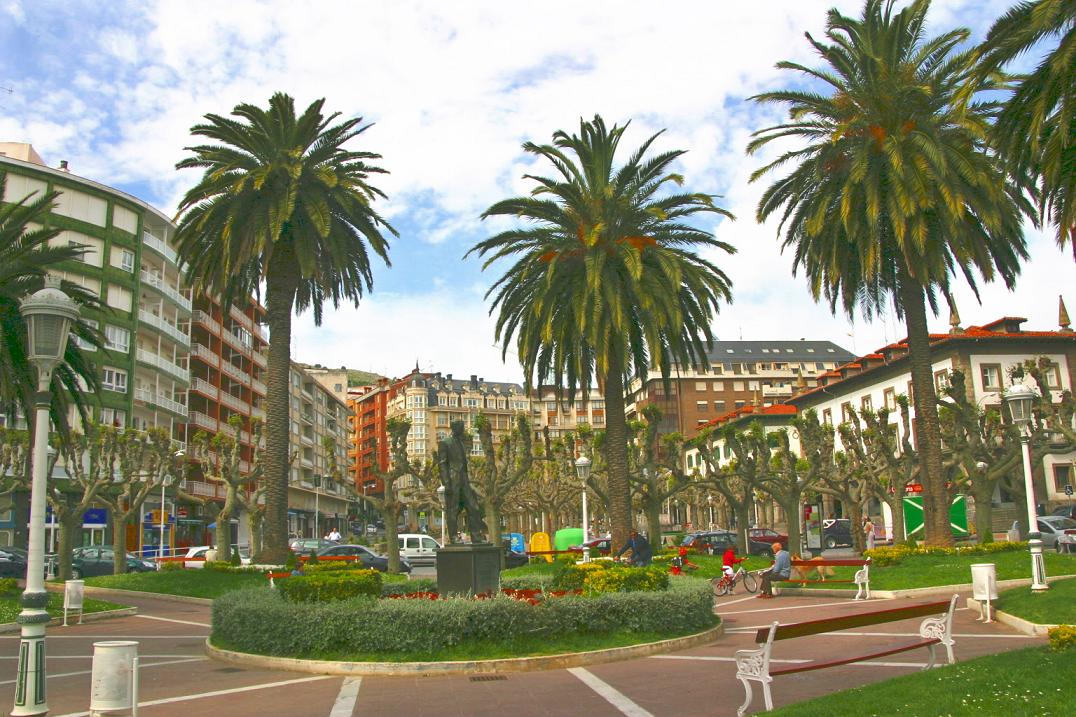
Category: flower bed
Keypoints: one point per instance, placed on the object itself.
(894, 554)
(366, 625)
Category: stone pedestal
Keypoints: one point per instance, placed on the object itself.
(468, 568)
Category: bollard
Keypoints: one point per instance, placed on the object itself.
(114, 678)
(73, 598)
(984, 586)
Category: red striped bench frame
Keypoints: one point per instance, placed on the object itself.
(754, 665)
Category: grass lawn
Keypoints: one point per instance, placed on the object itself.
(192, 583)
(9, 606)
(1018, 683)
(920, 571)
(1056, 606)
(523, 647)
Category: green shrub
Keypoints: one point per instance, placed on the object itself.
(331, 566)
(9, 586)
(172, 566)
(527, 582)
(364, 625)
(893, 555)
(392, 586)
(235, 561)
(1062, 637)
(605, 576)
(331, 586)
(312, 559)
(291, 561)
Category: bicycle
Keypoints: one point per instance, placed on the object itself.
(723, 584)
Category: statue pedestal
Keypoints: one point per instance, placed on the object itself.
(468, 568)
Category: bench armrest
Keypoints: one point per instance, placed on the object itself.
(941, 629)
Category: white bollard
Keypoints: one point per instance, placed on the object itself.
(114, 678)
(984, 586)
(73, 598)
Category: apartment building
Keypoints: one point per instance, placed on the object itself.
(740, 373)
(560, 416)
(332, 379)
(369, 446)
(319, 437)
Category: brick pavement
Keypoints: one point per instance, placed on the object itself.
(177, 678)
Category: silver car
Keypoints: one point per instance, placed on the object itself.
(1058, 532)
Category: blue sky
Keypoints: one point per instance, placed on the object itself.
(453, 90)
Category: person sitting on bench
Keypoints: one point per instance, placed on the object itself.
(780, 570)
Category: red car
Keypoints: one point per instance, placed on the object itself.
(768, 535)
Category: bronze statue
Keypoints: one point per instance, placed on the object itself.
(459, 495)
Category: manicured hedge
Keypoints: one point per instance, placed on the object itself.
(366, 625)
(605, 576)
(332, 585)
(894, 554)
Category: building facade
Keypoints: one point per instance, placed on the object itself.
(560, 416)
(741, 373)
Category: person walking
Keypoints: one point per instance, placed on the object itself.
(780, 570)
(868, 532)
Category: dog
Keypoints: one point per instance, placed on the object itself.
(802, 573)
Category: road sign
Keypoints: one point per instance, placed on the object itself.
(1068, 490)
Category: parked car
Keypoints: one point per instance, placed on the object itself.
(367, 557)
(200, 551)
(307, 546)
(12, 565)
(95, 560)
(836, 533)
(598, 545)
(418, 549)
(767, 535)
(513, 559)
(716, 542)
(1068, 511)
(1058, 532)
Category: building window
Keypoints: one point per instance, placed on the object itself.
(941, 380)
(827, 417)
(701, 406)
(338, 387)
(846, 412)
(113, 417)
(719, 385)
(737, 385)
(1062, 477)
(1052, 374)
(85, 345)
(700, 386)
(127, 260)
(991, 376)
(114, 379)
(752, 385)
(866, 404)
(740, 404)
(719, 406)
(117, 339)
(296, 380)
(442, 419)
(889, 398)
(454, 401)
(471, 403)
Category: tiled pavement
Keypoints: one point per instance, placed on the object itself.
(178, 679)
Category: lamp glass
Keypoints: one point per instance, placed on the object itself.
(48, 336)
(1019, 399)
(582, 468)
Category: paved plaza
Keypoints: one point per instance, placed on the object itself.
(178, 679)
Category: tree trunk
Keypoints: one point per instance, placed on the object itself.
(280, 288)
(742, 511)
(896, 507)
(652, 509)
(791, 508)
(616, 452)
(936, 530)
(853, 510)
(224, 525)
(69, 525)
(119, 543)
(984, 512)
(493, 525)
(391, 513)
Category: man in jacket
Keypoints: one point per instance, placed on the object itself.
(640, 549)
(780, 570)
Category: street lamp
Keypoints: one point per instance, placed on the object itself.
(441, 500)
(1020, 398)
(49, 314)
(582, 471)
(317, 507)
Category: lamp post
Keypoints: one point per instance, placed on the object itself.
(441, 500)
(317, 507)
(1019, 398)
(160, 542)
(582, 471)
(49, 314)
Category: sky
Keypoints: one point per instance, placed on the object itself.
(451, 91)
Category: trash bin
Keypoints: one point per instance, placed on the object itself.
(1013, 534)
(114, 677)
(984, 586)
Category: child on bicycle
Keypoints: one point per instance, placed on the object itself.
(729, 561)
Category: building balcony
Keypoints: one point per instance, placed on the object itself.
(205, 354)
(162, 286)
(307, 417)
(159, 246)
(160, 400)
(308, 440)
(257, 412)
(236, 404)
(257, 385)
(228, 430)
(768, 391)
(172, 332)
(205, 489)
(205, 388)
(201, 420)
(165, 364)
(206, 320)
(238, 374)
(260, 358)
(242, 318)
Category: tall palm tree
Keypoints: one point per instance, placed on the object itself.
(25, 259)
(604, 281)
(281, 202)
(893, 190)
(1036, 130)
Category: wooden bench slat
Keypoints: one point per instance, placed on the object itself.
(848, 660)
(834, 624)
(830, 563)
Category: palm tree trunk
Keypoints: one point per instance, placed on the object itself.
(280, 288)
(927, 428)
(616, 452)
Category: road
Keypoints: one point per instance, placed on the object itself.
(177, 678)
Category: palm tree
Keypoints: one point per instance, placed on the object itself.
(25, 260)
(281, 202)
(894, 191)
(1036, 130)
(604, 281)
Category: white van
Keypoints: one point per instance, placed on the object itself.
(418, 549)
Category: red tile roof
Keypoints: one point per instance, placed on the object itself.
(776, 409)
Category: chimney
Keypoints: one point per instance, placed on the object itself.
(63, 166)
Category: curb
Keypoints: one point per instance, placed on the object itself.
(117, 592)
(916, 592)
(1034, 629)
(465, 667)
(10, 627)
